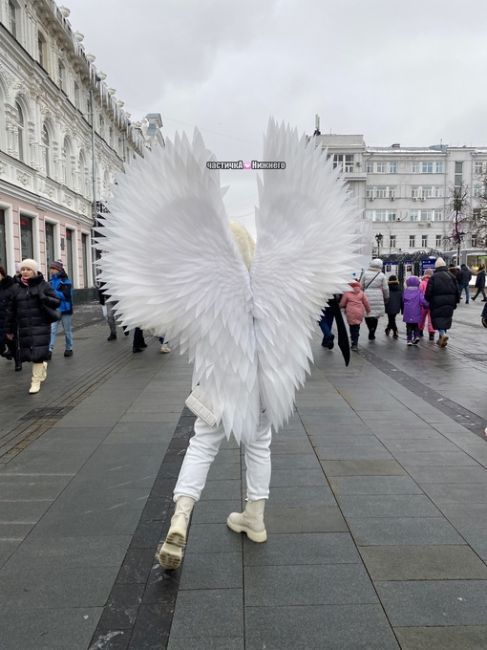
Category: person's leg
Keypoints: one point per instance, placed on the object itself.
(354, 335)
(54, 328)
(390, 326)
(138, 343)
(67, 320)
(409, 333)
(326, 324)
(415, 333)
(111, 322)
(467, 294)
(372, 326)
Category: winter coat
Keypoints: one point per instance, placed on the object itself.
(63, 289)
(443, 295)
(355, 304)
(413, 301)
(25, 312)
(6, 287)
(393, 306)
(480, 280)
(374, 283)
(465, 275)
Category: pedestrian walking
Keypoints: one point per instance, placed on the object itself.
(393, 305)
(374, 283)
(165, 348)
(425, 312)
(30, 312)
(356, 306)
(63, 288)
(247, 330)
(443, 295)
(413, 300)
(480, 283)
(326, 324)
(464, 281)
(7, 346)
(138, 343)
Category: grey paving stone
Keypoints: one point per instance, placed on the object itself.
(374, 485)
(334, 627)
(432, 603)
(432, 562)
(216, 511)
(36, 486)
(47, 629)
(387, 505)
(352, 453)
(400, 530)
(15, 531)
(218, 490)
(213, 538)
(281, 586)
(433, 474)
(197, 643)
(7, 548)
(290, 446)
(361, 467)
(306, 548)
(465, 637)
(225, 471)
(311, 495)
(91, 523)
(67, 552)
(297, 477)
(68, 461)
(461, 493)
(53, 588)
(212, 571)
(208, 614)
(411, 460)
(283, 518)
(295, 461)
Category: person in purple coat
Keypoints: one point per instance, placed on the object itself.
(412, 301)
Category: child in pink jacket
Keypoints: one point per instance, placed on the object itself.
(356, 305)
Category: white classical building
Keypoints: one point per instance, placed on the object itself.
(406, 192)
(63, 138)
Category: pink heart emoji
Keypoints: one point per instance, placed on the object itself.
(247, 165)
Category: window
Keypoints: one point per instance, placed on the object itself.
(41, 48)
(439, 167)
(480, 167)
(369, 167)
(424, 241)
(12, 14)
(380, 167)
(392, 241)
(61, 74)
(426, 215)
(474, 241)
(70, 252)
(50, 253)
(84, 248)
(3, 240)
(412, 241)
(438, 241)
(26, 237)
(343, 161)
(437, 215)
(392, 167)
(45, 150)
(426, 167)
(20, 131)
(458, 179)
(414, 215)
(381, 192)
(415, 167)
(76, 94)
(68, 166)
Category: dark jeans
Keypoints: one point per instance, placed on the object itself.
(326, 324)
(354, 333)
(480, 289)
(138, 338)
(391, 323)
(464, 287)
(412, 331)
(371, 324)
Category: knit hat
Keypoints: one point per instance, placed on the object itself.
(29, 264)
(58, 265)
(412, 281)
(439, 262)
(376, 264)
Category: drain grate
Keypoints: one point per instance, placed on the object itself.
(46, 412)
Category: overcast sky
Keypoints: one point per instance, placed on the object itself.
(395, 71)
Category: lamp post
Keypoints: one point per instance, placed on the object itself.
(378, 238)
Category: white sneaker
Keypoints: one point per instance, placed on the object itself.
(164, 349)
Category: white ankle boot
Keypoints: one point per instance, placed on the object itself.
(250, 521)
(171, 553)
(39, 374)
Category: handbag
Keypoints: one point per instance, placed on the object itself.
(197, 402)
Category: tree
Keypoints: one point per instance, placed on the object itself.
(461, 216)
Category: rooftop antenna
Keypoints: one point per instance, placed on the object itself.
(317, 125)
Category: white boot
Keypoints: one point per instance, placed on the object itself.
(171, 553)
(44, 371)
(38, 375)
(250, 521)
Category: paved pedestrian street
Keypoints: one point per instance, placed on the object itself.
(376, 520)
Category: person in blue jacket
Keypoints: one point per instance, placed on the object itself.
(63, 288)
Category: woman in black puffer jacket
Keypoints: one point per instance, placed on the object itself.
(443, 295)
(6, 284)
(27, 313)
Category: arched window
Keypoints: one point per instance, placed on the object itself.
(68, 169)
(46, 150)
(82, 173)
(20, 130)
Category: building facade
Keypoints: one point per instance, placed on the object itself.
(406, 192)
(63, 138)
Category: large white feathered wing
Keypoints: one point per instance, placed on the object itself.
(171, 264)
(306, 251)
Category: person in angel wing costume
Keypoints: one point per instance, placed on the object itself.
(246, 320)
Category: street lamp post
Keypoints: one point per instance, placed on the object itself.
(378, 238)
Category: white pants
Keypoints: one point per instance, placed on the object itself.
(204, 446)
